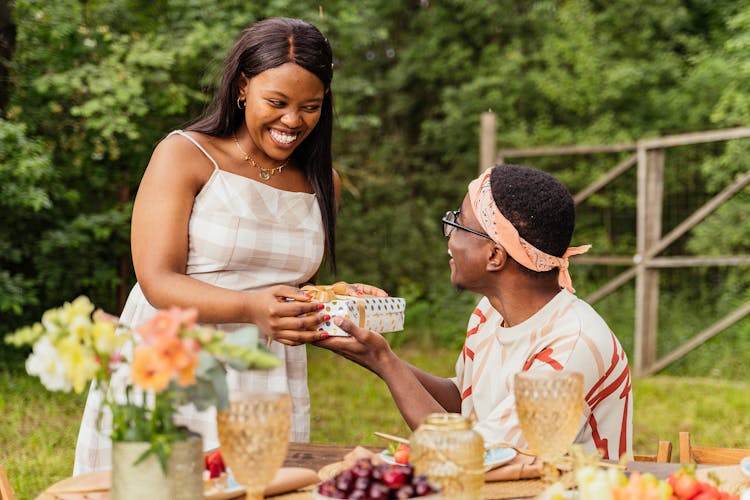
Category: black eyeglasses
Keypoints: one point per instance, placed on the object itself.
(449, 222)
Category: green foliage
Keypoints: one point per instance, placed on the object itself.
(98, 83)
(26, 172)
(94, 85)
(83, 253)
(39, 431)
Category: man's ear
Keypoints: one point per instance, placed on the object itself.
(497, 259)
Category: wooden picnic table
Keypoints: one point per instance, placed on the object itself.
(316, 456)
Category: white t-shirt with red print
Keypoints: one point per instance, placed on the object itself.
(565, 335)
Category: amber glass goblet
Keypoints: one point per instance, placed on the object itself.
(254, 437)
(549, 406)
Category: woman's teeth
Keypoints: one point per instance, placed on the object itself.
(283, 137)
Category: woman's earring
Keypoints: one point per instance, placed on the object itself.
(240, 103)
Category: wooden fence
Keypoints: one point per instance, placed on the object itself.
(648, 157)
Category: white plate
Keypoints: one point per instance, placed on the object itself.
(233, 490)
(387, 457)
(494, 457)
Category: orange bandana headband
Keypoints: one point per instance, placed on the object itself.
(505, 234)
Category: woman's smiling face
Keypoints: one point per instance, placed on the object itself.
(282, 107)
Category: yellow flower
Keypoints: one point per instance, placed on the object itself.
(80, 362)
(79, 308)
(80, 328)
(105, 338)
(51, 321)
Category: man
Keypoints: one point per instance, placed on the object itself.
(509, 243)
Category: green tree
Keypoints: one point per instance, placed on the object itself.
(26, 172)
(96, 84)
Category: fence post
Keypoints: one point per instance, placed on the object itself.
(487, 134)
(648, 233)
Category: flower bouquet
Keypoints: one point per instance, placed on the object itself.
(165, 363)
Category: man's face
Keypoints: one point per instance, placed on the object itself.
(468, 250)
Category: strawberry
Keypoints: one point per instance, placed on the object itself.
(401, 455)
(685, 487)
(214, 464)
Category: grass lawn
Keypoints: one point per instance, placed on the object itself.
(38, 428)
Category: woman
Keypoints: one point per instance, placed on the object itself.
(237, 211)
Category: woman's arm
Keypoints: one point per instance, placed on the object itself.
(159, 242)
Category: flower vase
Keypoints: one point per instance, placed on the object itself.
(182, 481)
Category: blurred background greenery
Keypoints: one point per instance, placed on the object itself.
(87, 89)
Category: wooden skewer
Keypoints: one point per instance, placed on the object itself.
(391, 437)
(397, 439)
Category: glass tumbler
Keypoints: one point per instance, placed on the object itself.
(450, 453)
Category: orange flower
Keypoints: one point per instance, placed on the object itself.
(186, 375)
(167, 324)
(172, 354)
(188, 317)
(191, 345)
(148, 370)
(162, 325)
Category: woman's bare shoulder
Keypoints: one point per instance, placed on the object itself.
(179, 162)
(178, 153)
(180, 144)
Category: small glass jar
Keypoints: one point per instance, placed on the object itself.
(450, 453)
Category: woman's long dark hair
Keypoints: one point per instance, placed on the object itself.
(265, 45)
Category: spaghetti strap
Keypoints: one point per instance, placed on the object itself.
(188, 137)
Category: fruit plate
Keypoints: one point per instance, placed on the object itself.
(317, 496)
(729, 477)
(493, 458)
(213, 490)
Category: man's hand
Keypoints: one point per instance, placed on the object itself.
(364, 347)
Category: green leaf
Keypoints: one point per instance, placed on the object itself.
(246, 336)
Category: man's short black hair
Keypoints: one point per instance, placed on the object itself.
(537, 204)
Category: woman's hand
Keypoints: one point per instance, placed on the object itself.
(286, 314)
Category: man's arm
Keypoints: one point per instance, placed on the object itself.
(442, 389)
(415, 392)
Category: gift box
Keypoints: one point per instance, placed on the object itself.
(379, 314)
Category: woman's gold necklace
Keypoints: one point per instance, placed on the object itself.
(263, 173)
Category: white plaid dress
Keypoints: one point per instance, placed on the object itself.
(243, 235)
